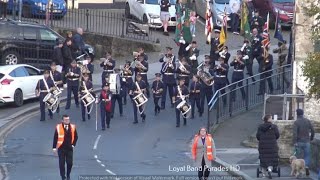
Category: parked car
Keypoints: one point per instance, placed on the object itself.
(217, 7)
(29, 43)
(284, 7)
(18, 83)
(148, 11)
(38, 8)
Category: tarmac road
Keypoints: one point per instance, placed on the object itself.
(149, 148)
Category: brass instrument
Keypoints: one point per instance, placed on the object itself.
(205, 75)
(139, 65)
(182, 67)
(83, 66)
(169, 62)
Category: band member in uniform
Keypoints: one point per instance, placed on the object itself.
(127, 75)
(85, 84)
(215, 46)
(142, 68)
(108, 64)
(168, 70)
(256, 44)
(118, 96)
(64, 140)
(44, 87)
(90, 67)
(56, 77)
(177, 99)
(133, 93)
(184, 71)
(72, 75)
(225, 54)
(237, 75)
(206, 89)
(247, 57)
(193, 56)
(142, 53)
(195, 88)
(105, 106)
(157, 89)
(168, 54)
(266, 73)
(220, 79)
(257, 22)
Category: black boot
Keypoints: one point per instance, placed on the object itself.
(89, 117)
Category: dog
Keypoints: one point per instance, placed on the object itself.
(297, 166)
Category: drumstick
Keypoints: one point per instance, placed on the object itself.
(96, 117)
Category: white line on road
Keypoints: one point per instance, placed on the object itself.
(96, 142)
(95, 156)
(98, 161)
(103, 165)
(110, 172)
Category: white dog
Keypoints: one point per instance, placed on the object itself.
(297, 166)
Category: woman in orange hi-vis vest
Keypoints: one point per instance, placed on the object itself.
(203, 152)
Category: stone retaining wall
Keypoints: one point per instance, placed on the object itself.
(119, 47)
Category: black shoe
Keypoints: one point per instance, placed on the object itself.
(42, 120)
(51, 117)
(111, 116)
(158, 110)
(108, 126)
(200, 114)
(103, 129)
(63, 178)
(67, 108)
(192, 117)
(177, 125)
(83, 120)
(143, 117)
(155, 112)
(185, 122)
(135, 122)
(125, 103)
(307, 171)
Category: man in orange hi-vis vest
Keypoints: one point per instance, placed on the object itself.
(203, 152)
(64, 140)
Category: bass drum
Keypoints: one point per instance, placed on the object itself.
(115, 83)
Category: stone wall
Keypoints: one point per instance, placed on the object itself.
(119, 47)
(315, 153)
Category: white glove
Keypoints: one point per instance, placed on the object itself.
(193, 57)
(188, 47)
(244, 45)
(245, 57)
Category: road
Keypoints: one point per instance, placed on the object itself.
(125, 149)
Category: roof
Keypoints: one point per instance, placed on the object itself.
(22, 23)
(5, 69)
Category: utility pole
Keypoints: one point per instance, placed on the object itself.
(20, 10)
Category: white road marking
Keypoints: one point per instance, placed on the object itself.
(95, 156)
(103, 165)
(98, 161)
(110, 172)
(96, 142)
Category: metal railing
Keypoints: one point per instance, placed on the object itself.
(229, 101)
(99, 21)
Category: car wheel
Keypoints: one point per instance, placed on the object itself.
(18, 98)
(26, 12)
(11, 58)
(127, 11)
(145, 19)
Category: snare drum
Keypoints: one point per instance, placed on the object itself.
(88, 99)
(115, 83)
(140, 99)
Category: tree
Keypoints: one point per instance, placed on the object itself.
(311, 68)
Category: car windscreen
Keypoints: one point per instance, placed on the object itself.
(283, 1)
(1, 75)
(222, 1)
(158, 2)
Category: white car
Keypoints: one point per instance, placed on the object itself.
(18, 83)
(148, 11)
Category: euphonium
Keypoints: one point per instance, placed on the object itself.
(205, 77)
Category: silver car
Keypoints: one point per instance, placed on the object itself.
(217, 7)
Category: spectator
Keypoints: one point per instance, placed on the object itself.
(67, 54)
(57, 56)
(78, 43)
(3, 9)
(193, 21)
(165, 15)
(302, 128)
(235, 11)
(267, 135)
(69, 35)
(257, 22)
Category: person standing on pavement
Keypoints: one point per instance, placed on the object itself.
(64, 140)
(257, 22)
(67, 57)
(256, 45)
(56, 77)
(86, 86)
(165, 15)
(73, 75)
(193, 21)
(177, 99)
(235, 9)
(105, 106)
(157, 90)
(168, 70)
(303, 133)
(265, 70)
(195, 89)
(108, 65)
(247, 57)
(134, 91)
(78, 43)
(57, 56)
(3, 9)
(44, 87)
(203, 152)
(267, 135)
(237, 76)
(117, 96)
(127, 75)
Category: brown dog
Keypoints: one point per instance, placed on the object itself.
(297, 166)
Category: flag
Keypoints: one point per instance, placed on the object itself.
(209, 23)
(223, 33)
(245, 26)
(265, 34)
(277, 32)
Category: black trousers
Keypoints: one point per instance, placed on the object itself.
(195, 101)
(164, 93)
(65, 156)
(262, 87)
(156, 103)
(3, 9)
(203, 173)
(74, 90)
(117, 97)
